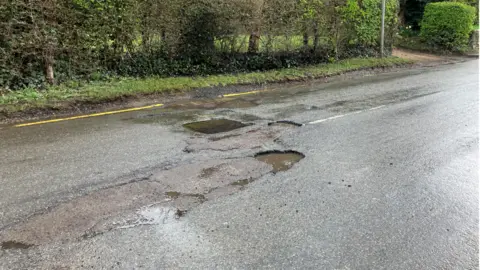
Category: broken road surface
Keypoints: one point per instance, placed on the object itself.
(372, 172)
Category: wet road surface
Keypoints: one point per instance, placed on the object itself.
(386, 177)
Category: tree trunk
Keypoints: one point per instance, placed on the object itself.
(316, 36)
(163, 35)
(401, 13)
(253, 43)
(305, 39)
(145, 41)
(49, 69)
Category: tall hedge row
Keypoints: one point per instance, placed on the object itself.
(50, 41)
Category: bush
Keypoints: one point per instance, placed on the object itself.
(447, 25)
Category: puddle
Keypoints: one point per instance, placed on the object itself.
(214, 126)
(285, 122)
(280, 160)
(15, 245)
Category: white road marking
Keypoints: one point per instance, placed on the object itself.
(343, 115)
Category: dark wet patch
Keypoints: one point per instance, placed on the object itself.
(214, 139)
(180, 213)
(211, 104)
(280, 160)
(15, 245)
(163, 118)
(200, 197)
(336, 104)
(249, 117)
(237, 103)
(173, 194)
(207, 172)
(242, 182)
(285, 112)
(90, 234)
(420, 95)
(285, 122)
(214, 126)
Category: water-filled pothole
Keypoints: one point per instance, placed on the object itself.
(15, 245)
(280, 160)
(214, 126)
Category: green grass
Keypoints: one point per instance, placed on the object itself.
(63, 96)
(476, 27)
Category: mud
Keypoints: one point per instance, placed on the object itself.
(15, 245)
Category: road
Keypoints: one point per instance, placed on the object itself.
(389, 180)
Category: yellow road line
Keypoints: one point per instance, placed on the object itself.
(88, 115)
(241, 94)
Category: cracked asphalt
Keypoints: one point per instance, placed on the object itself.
(389, 181)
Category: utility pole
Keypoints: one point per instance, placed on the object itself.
(382, 34)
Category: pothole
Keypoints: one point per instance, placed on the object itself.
(280, 160)
(285, 122)
(15, 245)
(214, 126)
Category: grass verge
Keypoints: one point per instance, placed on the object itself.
(99, 92)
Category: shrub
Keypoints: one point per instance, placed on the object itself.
(447, 25)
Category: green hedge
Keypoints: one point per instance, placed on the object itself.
(363, 21)
(447, 25)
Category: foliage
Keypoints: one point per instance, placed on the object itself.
(52, 41)
(411, 11)
(364, 21)
(447, 25)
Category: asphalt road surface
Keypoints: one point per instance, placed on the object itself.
(389, 180)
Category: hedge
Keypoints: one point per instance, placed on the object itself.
(447, 25)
